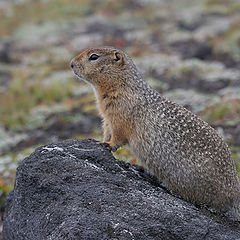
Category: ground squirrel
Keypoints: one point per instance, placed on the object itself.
(183, 151)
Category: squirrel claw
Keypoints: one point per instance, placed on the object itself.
(113, 148)
(107, 146)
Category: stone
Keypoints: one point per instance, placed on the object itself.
(193, 49)
(5, 51)
(76, 189)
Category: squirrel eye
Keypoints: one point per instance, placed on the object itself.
(93, 57)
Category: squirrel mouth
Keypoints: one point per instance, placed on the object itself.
(79, 76)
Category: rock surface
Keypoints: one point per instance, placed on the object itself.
(188, 50)
(76, 189)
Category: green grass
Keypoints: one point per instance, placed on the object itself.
(228, 42)
(24, 94)
(218, 2)
(236, 157)
(38, 11)
(223, 112)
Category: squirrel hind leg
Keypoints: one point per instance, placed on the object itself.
(233, 213)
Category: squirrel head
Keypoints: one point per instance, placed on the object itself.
(101, 66)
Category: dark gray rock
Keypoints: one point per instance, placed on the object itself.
(202, 85)
(76, 189)
(5, 49)
(193, 49)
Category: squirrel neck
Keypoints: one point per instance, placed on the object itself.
(121, 98)
(115, 99)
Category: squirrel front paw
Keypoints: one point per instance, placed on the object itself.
(107, 146)
(113, 147)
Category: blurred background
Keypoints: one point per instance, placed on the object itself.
(189, 50)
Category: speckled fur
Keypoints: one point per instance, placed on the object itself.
(183, 151)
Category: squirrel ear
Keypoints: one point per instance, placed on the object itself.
(118, 58)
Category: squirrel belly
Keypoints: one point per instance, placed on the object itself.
(182, 150)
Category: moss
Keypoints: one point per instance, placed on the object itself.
(23, 95)
(218, 2)
(5, 188)
(236, 157)
(225, 112)
(219, 112)
(235, 7)
(95, 134)
(87, 103)
(113, 7)
(228, 42)
(125, 155)
(38, 11)
(232, 6)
